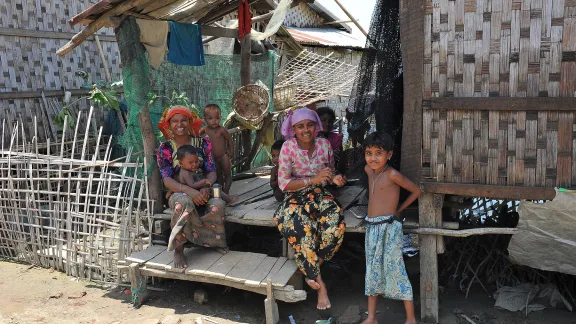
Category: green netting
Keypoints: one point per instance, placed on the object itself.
(215, 82)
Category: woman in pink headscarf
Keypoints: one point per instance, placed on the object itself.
(309, 217)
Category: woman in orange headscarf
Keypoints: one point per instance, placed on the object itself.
(181, 126)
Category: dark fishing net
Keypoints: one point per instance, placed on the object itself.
(377, 89)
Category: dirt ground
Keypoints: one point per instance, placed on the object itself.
(37, 295)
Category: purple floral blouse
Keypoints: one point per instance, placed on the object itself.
(294, 162)
(168, 162)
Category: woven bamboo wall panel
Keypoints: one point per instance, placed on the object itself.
(31, 63)
(499, 48)
(303, 16)
(510, 48)
(532, 149)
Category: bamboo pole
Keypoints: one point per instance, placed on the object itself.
(351, 18)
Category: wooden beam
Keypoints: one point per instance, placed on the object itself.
(506, 104)
(38, 94)
(220, 12)
(467, 232)
(99, 23)
(488, 191)
(412, 43)
(428, 258)
(219, 31)
(95, 9)
(46, 34)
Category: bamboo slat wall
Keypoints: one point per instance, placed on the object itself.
(30, 63)
(499, 48)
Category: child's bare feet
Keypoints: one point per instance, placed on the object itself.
(370, 320)
(179, 259)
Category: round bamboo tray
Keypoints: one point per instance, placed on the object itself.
(251, 104)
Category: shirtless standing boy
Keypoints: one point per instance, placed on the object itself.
(222, 146)
(385, 271)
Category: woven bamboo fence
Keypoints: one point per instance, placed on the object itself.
(493, 50)
(68, 206)
(30, 34)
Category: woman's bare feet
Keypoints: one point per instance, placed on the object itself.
(179, 259)
(370, 320)
(323, 300)
(312, 283)
(410, 322)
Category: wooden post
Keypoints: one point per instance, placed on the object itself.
(245, 53)
(138, 285)
(428, 258)
(108, 77)
(149, 141)
(135, 70)
(270, 305)
(412, 44)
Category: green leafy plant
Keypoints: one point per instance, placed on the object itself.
(101, 93)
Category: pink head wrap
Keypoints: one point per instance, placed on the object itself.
(293, 117)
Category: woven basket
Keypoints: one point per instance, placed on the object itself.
(251, 104)
(284, 97)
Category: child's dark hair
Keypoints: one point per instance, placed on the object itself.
(277, 146)
(380, 140)
(326, 110)
(186, 150)
(213, 106)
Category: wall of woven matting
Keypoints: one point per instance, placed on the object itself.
(499, 48)
(30, 34)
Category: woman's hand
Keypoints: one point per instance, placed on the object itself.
(324, 174)
(198, 197)
(339, 180)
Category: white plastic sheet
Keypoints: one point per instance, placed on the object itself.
(547, 234)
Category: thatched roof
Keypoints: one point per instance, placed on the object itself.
(107, 13)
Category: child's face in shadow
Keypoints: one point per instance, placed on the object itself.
(327, 123)
(190, 162)
(376, 157)
(212, 117)
(275, 156)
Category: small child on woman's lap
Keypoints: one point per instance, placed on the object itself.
(384, 228)
(275, 151)
(222, 146)
(188, 174)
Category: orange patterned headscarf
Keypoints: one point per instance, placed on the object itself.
(164, 124)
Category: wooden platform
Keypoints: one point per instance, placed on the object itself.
(242, 270)
(257, 205)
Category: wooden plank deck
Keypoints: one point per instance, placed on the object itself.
(241, 270)
(257, 206)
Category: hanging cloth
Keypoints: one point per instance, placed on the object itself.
(244, 19)
(153, 35)
(185, 44)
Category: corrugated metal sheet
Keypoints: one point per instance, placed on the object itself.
(327, 37)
